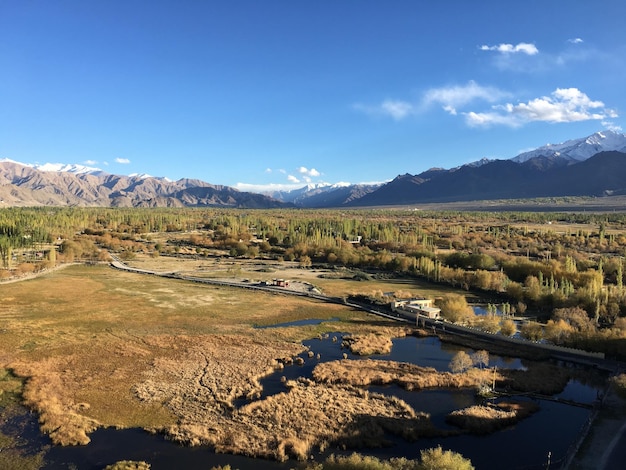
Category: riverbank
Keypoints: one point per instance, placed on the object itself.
(608, 429)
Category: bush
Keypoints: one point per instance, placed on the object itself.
(454, 308)
(438, 459)
(431, 459)
(508, 327)
(128, 465)
(619, 384)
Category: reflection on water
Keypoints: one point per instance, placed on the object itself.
(525, 445)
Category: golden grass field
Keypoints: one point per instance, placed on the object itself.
(101, 347)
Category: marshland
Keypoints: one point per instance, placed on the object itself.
(89, 351)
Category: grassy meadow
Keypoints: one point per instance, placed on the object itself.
(101, 347)
(89, 346)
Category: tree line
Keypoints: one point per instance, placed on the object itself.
(520, 256)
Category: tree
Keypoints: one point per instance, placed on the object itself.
(438, 459)
(576, 317)
(480, 358)
(558, 330)
(454, 308)
(508, 327)
(305, 261)
(460, 362)
(532, 331)
(5, 251)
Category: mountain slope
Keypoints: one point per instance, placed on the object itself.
(24, 185)
(600, 175)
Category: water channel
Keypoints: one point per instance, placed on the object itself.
(523, 446)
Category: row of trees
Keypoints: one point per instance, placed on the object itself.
(518, 255)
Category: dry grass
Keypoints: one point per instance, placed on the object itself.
(485, 419)
(86, 337)
(308, 416)
(372, 343)
(128, 465)
(100, 347)
(409, 376)
(265, 270)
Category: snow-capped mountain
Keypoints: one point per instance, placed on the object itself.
(324, 194)
(293, 195)
(60, 167)
(577, 150)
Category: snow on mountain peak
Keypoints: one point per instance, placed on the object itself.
(578, 149)
(67, 168)
(57, 167)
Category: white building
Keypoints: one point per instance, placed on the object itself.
(416, 306)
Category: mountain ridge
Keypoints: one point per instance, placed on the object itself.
(567, 169)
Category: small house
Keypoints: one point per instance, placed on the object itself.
(417, 306)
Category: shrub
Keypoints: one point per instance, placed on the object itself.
(128, 465)
(438, 459)
(508, 327)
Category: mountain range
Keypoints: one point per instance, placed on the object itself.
(590, 166)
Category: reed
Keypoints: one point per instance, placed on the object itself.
(367, 372)
(486, 419)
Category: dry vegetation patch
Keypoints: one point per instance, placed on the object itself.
(367, 372)
(372, 343)
(211, 373)
(307, 416)
(88, 357)
(484, 419)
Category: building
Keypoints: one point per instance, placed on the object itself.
(416, 306)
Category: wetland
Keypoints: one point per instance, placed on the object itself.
(178, 370)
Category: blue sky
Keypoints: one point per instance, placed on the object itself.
(260, 94)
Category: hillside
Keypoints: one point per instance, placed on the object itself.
(23, 185)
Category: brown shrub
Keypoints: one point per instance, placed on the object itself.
(368, 344)
(409, 376)
(485, 419)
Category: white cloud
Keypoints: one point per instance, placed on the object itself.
(523, 47)
(451, 98)
(90, 162)
(575, 41)
(305, 171)
(292, 179)
(563, 105)
(612, 126)
(124, 161)
(395, 109)
(398, 110)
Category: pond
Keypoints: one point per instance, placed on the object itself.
(524, 446)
